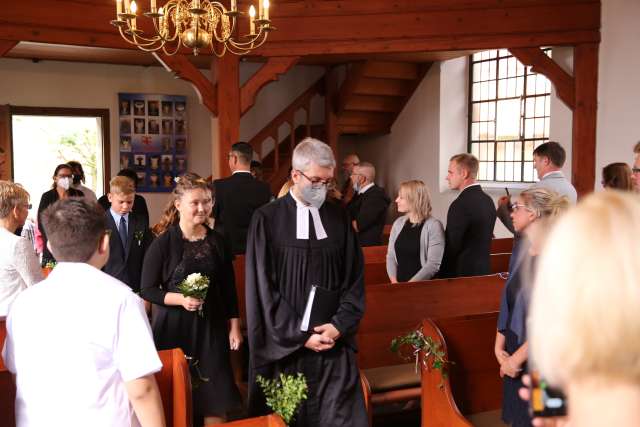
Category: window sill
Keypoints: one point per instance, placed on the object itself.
(502, 185)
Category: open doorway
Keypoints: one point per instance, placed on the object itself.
(42, 138)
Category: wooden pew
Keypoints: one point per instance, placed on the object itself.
(265, 421)
(394, 310)
(473, 386)
(501, 246)
(375, 264)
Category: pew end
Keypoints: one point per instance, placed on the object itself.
(174, 382)
(264, 421)
(473, 386)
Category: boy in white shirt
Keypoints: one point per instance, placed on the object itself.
(80, 345)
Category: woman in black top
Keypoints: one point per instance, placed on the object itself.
(61, 189)
(184, 246)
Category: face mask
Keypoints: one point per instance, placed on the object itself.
(314, 196)
(64, 183)
(356, 186)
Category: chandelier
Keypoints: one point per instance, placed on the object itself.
(195, 24)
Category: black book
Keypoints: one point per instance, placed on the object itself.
(321, 306)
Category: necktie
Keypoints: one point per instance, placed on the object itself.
(122, 231)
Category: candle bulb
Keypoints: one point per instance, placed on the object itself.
(266, 9)
(234, 5)
(127, 6)
(118, 7)
(161, 21)
(134, 10)
(252, 19)
(153, 6)
(260, 12)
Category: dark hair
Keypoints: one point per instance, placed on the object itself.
(130, 173)
(74, 229)
(617, 175)
(76, 166)
(244, 151)
(55, 172)
(171, 216)
(467, 162)
(552, 151)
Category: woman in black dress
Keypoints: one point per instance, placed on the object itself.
(186, 245)
(511, 346)
(61, 189)
(416, 242)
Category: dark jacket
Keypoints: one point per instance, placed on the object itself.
(470, 222)
(164, 255)
(126, 266)
(139, 206)
(47, 199)
(369, 210)
(236, 198)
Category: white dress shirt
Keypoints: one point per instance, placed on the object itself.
(19, 268)
(302, 220)
(73, 342)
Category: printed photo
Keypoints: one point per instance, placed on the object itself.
(181, 144)
(167, 127)
(168, 181)
(180, 108)
(180, 127)
(153, 108)
(181, 163)
(139, 126)
(138, 107)
(153, 180)
(125, 161)
(154, 126)
(125, 107)
(166, 143)
(155, 162)
(125, 143)
(140, 160)
(167, 108)
(142, 178)
(167, 162)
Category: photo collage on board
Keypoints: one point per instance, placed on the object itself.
(153, 138)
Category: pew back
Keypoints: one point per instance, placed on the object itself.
(394, 310)
(473, 384)
(174, 383)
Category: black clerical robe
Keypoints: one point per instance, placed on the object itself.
(280, 270)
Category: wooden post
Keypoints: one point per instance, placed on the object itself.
(583, 157)
(330, 117)
(228, 109)
(6, 157)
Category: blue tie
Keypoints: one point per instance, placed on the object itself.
(122, 231)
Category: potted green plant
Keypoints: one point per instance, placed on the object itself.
(284, 394)
(415, 343)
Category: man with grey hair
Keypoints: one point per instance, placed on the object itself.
(349, 162)
(368, 209)
(305, 295)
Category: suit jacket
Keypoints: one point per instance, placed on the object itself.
(470, 222)
(126, 265)
(369, 210)
(139, 206)
(237, 197)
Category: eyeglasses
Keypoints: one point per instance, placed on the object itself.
(65, 176)
(635, 170)
(317, 182)
(28, 206)
(516, 206)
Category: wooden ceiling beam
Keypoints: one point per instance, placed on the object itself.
(269, 72)
(182, 68)
(6, 46)
(543, 64)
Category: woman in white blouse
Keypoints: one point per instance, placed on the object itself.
(19, 266)
(416, 242)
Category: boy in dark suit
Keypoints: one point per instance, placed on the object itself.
(470, 222)
(130, 234)
(237, 197)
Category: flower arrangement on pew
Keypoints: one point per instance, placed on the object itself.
(284, 394)
(195, 285)
(433, 356)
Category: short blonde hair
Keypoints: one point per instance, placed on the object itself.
(585, 320)
(122, 185)
(11, 195)
(417, 194)
(545, 203)
(467, 162)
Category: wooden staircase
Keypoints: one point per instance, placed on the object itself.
(370, 99)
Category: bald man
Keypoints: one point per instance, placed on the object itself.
(348, 163)
(368, 209)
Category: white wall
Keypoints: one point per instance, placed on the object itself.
(80, 85)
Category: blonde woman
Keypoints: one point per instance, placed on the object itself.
(19, 266)
(532, 211)
(585, 321)
(204, 329)
(416, 242)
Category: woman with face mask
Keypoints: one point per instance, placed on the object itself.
(60, 189)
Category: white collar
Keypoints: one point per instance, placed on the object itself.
(548, 174)
(302, 220)
(235, 172)
(116, 217)
(470, 185)
(366, 187)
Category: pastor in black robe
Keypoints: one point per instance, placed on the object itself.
(280, 270)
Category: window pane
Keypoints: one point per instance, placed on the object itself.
(528, 128)
(492, 70)
(528, 150)
(508, 171)
(491, 131)
(476, 72)
(475, 112)
(519, 86)
(539, 133)
(492, 111)
(476, 92)
(540, 103)
(531, 84)
(517, 173)
(490, 148)
(528, 171)
(477, 56)
(499, 171)
(502, 89)
(509, 152)
(475, 150)
(475, 131)
(517, 151)
(508, 119)
(484, 108)
(482, 173)
(505, 52)
(530, 106)
(490, 172)
(483, 152)
(500, 151)
(503, 68)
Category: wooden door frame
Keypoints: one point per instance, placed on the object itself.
(102, 113)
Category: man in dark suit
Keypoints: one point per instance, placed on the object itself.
(129, 234)
(470, 222)
(237, 196)
(368, 209)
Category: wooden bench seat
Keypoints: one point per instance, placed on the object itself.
(473, 387)
(394, 310)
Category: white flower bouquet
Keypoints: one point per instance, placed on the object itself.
(195, 285)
